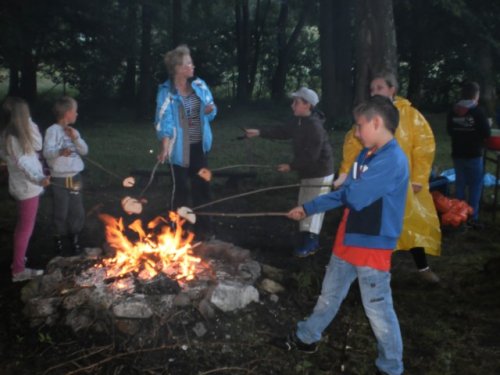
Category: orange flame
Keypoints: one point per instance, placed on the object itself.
(160, 250)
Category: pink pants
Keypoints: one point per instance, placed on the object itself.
(26, 217)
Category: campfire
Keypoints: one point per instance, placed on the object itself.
(140, 282)
(164, 248)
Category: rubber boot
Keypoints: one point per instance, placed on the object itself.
(75, 243)
(58, 245)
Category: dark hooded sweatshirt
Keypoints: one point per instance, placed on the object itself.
(468, 127)
(312, 152)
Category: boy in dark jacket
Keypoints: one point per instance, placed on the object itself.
(312, 160)
(374, 196)
(468, 127)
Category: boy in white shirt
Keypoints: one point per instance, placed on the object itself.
(62, 149)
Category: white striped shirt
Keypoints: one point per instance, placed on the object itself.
(192, 106)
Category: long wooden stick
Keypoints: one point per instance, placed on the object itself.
(235, 214)
(255, 192)
(242, 166)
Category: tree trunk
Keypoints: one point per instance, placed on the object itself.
(486, 77)
(285, 47)
(176, 23)
(28, 86)
(145, 95)
(416, 74)
(261, 12)
(242, 45)
(375, 43)
(14, 81)
(127, 94)
(336, 58)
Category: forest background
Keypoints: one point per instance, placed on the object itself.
(109, 53)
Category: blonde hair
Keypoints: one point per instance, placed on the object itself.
(17, 120)
(175, 57)
(389, 78)
(63, 105)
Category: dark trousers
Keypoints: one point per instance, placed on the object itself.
(69, 214)
(199, 189)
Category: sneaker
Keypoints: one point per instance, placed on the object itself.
(309, 245)
(428, 276)
(474, 224)
(27, 274)
(292, 342)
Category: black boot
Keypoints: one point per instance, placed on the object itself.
(75, 243)
(58, 245)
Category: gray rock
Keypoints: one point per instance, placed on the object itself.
(230, 296)
(271, 286)
(199, 329)
(42, 307)
(135, 307)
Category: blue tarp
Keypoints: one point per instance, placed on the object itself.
(489, 179)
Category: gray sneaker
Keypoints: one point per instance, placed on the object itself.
(27, 274)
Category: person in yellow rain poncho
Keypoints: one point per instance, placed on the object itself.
(421, 233)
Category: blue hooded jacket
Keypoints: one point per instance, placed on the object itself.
(375, 193)
(171, 121)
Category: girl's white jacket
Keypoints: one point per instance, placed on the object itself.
(25, 170)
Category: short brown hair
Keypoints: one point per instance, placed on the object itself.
(63, 105)
(381, 106)
(174, 58)
(470, 90)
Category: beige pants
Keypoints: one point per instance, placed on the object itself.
(313, 223)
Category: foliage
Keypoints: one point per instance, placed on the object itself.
(87, 44)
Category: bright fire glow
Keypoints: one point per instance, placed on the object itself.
(162, 249)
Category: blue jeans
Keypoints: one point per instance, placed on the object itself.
(377, 301)
(469, 176)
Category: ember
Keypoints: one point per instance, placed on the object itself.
(164, 248)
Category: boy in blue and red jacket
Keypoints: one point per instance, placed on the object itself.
(374, 196)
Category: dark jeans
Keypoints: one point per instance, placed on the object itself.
(69, 214)
(199, 189)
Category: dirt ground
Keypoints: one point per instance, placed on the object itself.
(450, 328)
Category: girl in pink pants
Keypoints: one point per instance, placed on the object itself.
(19, 142)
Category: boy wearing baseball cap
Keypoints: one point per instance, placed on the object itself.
(312, 160)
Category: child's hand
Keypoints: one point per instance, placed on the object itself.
(164, 152)
(283, 168)
(65, 152)
(416, 188)
(45, 182)
(71, 132)
(340, 180)
(209, 108)
(297, 213)
(250, 133)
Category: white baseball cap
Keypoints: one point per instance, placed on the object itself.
(306, 94)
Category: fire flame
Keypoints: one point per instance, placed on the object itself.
(163, 249)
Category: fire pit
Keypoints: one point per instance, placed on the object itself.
(133, 286)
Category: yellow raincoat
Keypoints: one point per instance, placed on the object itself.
(421, 224)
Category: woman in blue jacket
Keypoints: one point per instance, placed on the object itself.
(184, 109)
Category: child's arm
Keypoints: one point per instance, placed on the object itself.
(26, 164)
(350, 149)
(36, 137)
(51, 144)
(423, 148)
(80, 144)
